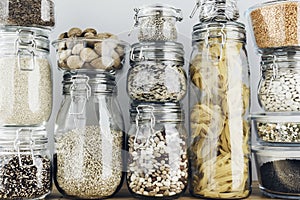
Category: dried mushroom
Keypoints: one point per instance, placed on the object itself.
(89, 49)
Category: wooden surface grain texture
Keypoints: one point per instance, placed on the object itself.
(124, 194)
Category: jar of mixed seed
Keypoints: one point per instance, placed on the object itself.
(157, 23)
(89, 138)
(157, 151)
(25, 166)
(279, 86)
(156, 73)
(219, 100)
(30, 13)
(26, 77)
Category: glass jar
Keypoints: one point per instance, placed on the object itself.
(26, 77)
(274, 24)
(277, 129)
(219, 104)
(89, 137)
(30, 13)
(156, 73)
(157, 151)
(157, 22)
(25, 166)
(279, 86)
(76, 53)
(216, 10)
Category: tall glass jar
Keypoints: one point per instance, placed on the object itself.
(25, 166)
(279, 87)
(157, 151)
(219, 103)
(25, 78)
(156, 73)
(157, 23)
(89, 137)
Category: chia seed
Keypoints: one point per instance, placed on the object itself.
(281, 176)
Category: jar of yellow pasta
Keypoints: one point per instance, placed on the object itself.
(219, 102)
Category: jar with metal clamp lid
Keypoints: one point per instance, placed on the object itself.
(157, 147)
(25, 166)
(156, 73)
(25, 78)
(279, 87)
(219, 105)
(216, 10)
(157, 22)
(89, 137)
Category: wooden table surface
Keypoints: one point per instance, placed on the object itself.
(123, 194)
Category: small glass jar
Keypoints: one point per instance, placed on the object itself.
(26, 77)
(157, 151)
(156, 73)
(30, 13)
(89, 139)
(219, 105)
(157, 23)
(279, 86)
(25, 166)
(216, 10)
(277, 129)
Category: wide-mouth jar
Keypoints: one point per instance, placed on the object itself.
(276, 129)
(278, 170)
(275, 24)
(77, 53)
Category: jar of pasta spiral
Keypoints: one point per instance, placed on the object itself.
(219, 100)
(157, 151)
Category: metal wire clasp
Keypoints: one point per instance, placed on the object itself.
(152, 125)
(17, 144)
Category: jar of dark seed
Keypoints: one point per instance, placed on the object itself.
(278, 170)
(157, 23)
(26, 77)
(157, 151)
(30, 13)
(156, 73)
(89, 137)
(25, 166)
(279, 87)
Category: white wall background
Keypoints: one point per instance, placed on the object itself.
(116, 16)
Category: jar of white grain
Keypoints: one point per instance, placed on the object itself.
(25, 78)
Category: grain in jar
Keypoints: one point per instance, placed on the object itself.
(26, 77)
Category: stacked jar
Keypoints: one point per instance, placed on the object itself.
(219, 152)
(275, 30)
(25, 98)
(89, 130)
(157, 140)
